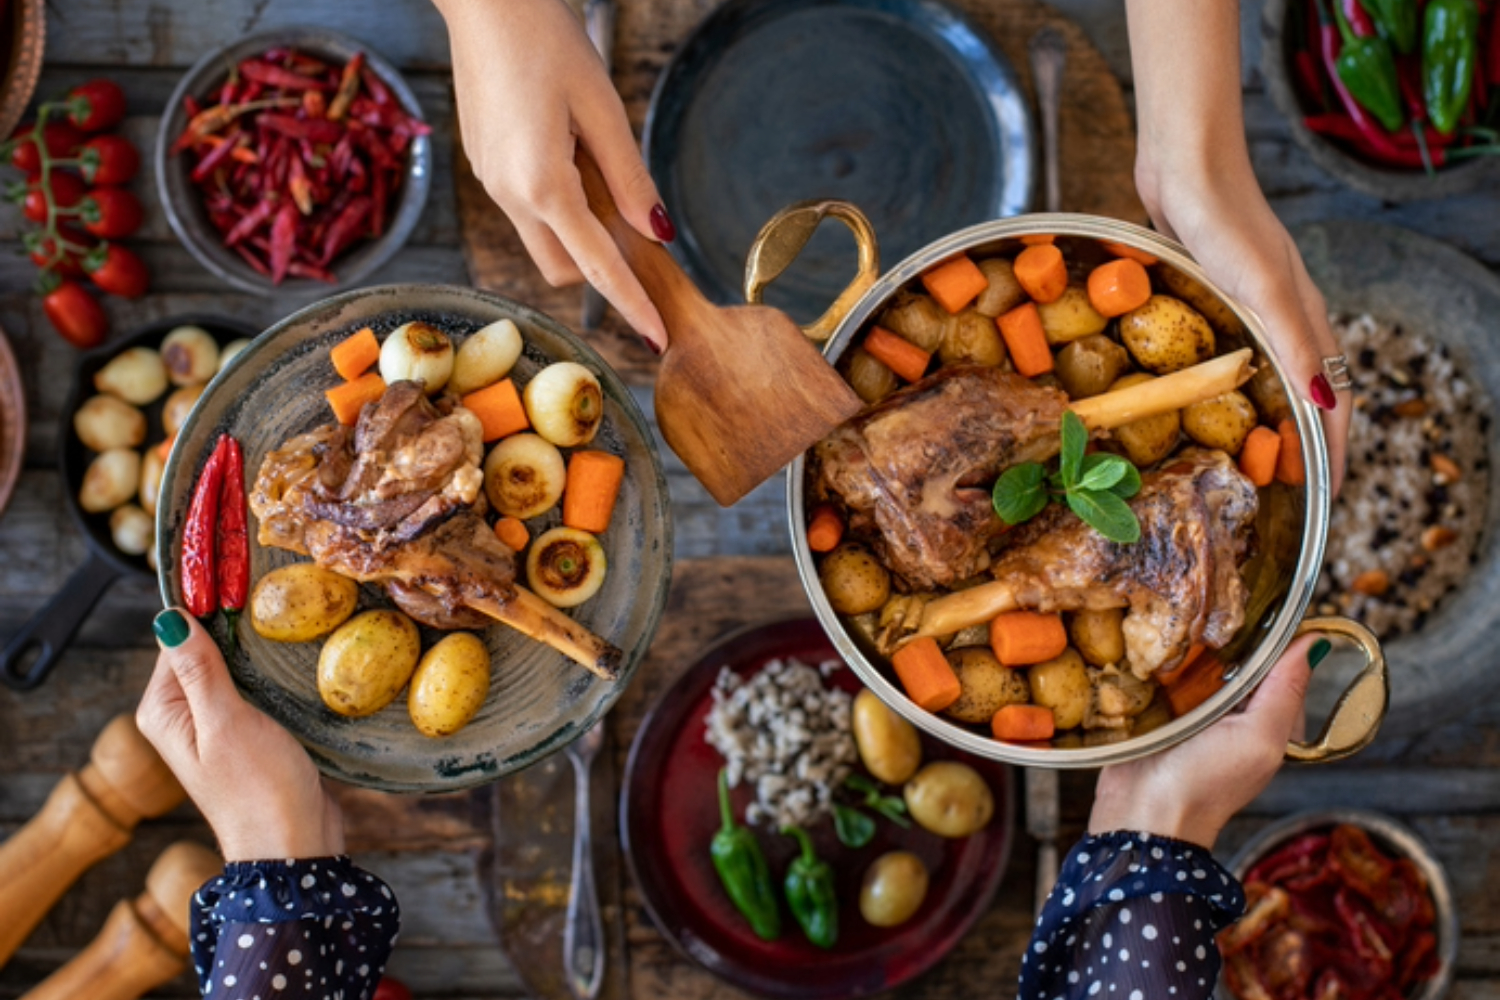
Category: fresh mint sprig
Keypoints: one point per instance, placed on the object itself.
(1095, 487)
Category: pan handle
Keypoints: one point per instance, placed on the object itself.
(1355, 720)
(51, 629)
(780, 241)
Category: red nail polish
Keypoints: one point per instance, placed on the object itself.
(651, 344)
(662, 226)
(1322, 393)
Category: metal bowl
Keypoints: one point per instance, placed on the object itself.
(539, 701)
(184, 206)
(1389, 835)
(1292, 530)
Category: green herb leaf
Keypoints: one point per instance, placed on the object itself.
(1020, 494)
(861, 784)
(1102, 474)
(1075, 438)
(893, 808)
(853, 827)
(1129, 485)
(1106, 514)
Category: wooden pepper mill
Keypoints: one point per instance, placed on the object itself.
(144, 941)
(88, 817)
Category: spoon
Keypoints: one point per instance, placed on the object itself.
(583, 935)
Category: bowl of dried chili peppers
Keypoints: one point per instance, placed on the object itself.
(1397, 98)
(295, 160)
(1340, 903)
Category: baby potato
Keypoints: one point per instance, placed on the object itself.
(417, 352)
(110, 480)
(229, 350)
(1099, 636)
(136, 375)
(367, 661)
(987, 686)
(1071, 316)
(450, 685)
(524, 476)
(105, 422)
(888, 745)
(917, 318)
(893, 889)
(949, 799)
(1222, 422)
(1121, 693)
(1147, 441)
(1213, 309)
(485, 357)
(178, 405)
(191, 355)
(565, 404)
(152, 466)
(565, 567)
(1090, 364)
(132, 530)
(868, 376)
(854, 579)
(1004, 292)
(1167, 335)
(300, 602)
(972, 337)
(1062, 684)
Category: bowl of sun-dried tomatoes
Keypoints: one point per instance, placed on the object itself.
(1341, 904)
(293, 161)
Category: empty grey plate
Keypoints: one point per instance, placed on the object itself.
(904, 107)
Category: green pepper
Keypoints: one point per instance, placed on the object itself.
(1367, 68)
(1450, 44)
(743, 870)
(810, 892)
(1396, 20)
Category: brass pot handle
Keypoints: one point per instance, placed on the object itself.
(780, 241)
(1356, 718)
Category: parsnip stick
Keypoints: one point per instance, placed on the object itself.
(534, 617)
(1169, 392)
(962, 609)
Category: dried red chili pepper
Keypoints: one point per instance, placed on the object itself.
(216, 157)
(251, 221)
(199, 571)
(345, 228)
(283, 241)
(349, 82)
(377, 88)
(275, 76)
(314, 129)
(1419, 961)
(232, 543)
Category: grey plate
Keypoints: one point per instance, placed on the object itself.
(538, 701)
(904, 107)
(1401, 277)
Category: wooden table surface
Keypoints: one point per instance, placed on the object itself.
(1444, 783)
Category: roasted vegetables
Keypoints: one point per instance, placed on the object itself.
(367, 661)
(986, 686)
(854, 580)
(485, 357)
(1062, 684)
(889, 746)
(135, 375)
(565, 404)
(524, 476)
(565, 567)
(1166, 335)
(894, 887)
(301, 602)
(105, 422)
(449, 685)
(191, 355)
(417, 352)
(110, 480)
(950, 799)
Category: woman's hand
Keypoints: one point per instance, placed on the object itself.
(254, 784)
(530, 85)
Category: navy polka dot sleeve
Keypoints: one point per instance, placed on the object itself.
(317, 928)
(1132, 917)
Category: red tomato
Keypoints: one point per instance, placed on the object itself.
(391, 989)
(111, 213)
(109, 160)
(61, 138)
(117, 271)
(67, 191)
(96, 105)
(76, 314)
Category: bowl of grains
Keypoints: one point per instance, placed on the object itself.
(1410, 550)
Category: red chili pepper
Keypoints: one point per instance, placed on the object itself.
(283, 238)
(216, 157)
(1359, 18)
(233, 539)
(199, 570)
(274, 76)
(345, 229)
(190, 106)
(251, 221)
(376, 86)
(314, 129)
(1335, 124)
(1374, 141)
(349, 81)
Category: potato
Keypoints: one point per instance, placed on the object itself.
(300, 602)
(1071, 316)
(1147, 441)
(524, 476)
(132, 530)
(1004, 292)
(854, 580)
(888, 745)
(104, 422)
(110, 480)
(485, 357)
(136, 375)
(191, 355)
(228, 351)
(450, 685)
(1213, 309)
(972, 337)
(1089, 365)
(893, 889)
(565, 567)
(949, 799)
(367, 661)
(1167, 335)
(565, 404)
(1222, 422)
(870, 379)
(177, 407)
(1121, 693)
(1098, 635)
(1156, 715)
(1062, 684)
(1268, 394)
(152, 466)
(917, 318)
(987, 686)
(417, 352)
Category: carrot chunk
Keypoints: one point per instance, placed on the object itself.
(1200, 682)
(1024, 724)
(1289, 468)
(498, 408)
(1172, 676)
(353, 356)
(1118, 287)
(1259, 454)
(926, 674)
(512, 533)
(1026, 339)
(955, 284)
(826, 528)
(1131, 253)
(1021, 638)
(1040, 270)
(897, 353)
(1038, 239)
(348, 399)
(594, 479)
(165, 448)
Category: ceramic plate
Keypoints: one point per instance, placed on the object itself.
(12, 422)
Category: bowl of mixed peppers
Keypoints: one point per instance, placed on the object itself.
(295, 160)
(1399, 99)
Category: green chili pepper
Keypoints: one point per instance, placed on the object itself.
(1368, 70)
(1450, 44)
(810, 892)
(1396, 20)
(743, 870)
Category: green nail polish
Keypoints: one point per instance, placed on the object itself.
(1319, 650)
(171, 628)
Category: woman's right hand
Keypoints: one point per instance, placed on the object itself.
(530, 86)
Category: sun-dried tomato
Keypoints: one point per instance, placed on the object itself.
(1367, 941)
(1265, 906)
(1308, 852)
(1358, 861)
(1419, 961)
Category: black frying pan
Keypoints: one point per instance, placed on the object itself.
(30, 654)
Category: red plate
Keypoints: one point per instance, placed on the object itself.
(669, 815)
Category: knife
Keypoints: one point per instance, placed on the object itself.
(1041, 822)
(599, 23)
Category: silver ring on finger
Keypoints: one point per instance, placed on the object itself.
(1336, 368)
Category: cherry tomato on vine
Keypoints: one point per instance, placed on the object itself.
(61, 138)
(110, 213)
(109, 160)
(76, 314)
(117, 271)
(391, 989)
(96, 105)
(67, 191)
(43, 251)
